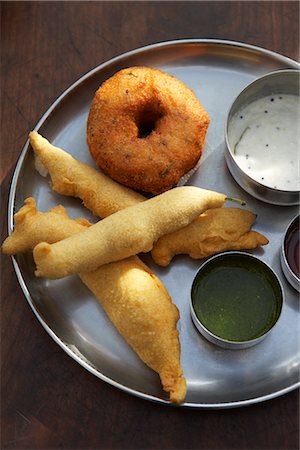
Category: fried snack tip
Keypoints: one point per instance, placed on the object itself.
(30, 225)
(132, 296)
(214, 231)
(125, 233)
(70, 177)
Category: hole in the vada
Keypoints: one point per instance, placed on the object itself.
(147, 122)
(145, 129)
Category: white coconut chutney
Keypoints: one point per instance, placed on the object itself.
(264, 137)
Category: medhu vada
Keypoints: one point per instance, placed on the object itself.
(146, 129)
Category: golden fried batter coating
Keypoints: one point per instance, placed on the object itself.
(99, 193)
(132, 296)
(146, 129)
(214, 231)
(125, 233)
(104, 196)
(141, 309)
(30, 226)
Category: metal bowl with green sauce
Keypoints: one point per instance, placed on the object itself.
(236, 299)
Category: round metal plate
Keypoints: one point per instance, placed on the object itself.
(217, 71)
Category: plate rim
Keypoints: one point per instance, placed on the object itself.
(11, 202)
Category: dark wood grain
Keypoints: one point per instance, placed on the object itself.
(47, 400)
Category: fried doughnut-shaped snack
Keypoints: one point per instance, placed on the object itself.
(125, 233)
(214, 231)
(132, 296)
(99, 193)
(146, 129)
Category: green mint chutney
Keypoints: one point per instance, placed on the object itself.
(236, 297)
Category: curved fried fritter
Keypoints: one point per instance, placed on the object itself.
(146, 129)
(71, 177)
(132, 296)
(103, 197)
(30, 226)
(125, 233)
(141, 309)
(212, 232)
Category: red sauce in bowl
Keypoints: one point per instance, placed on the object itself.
(292, 247)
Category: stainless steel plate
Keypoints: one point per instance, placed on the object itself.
(217, 71)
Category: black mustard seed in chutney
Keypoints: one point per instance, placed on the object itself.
(236, 298)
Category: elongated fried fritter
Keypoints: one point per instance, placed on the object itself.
(214, 231)
(71, 177)
(30, 226)
(125, 233)
(132, 296)
(103, 197)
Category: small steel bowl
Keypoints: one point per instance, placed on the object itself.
(288, 250)
(279, 82)
(243, 259)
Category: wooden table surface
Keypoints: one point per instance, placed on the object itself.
(48, 401)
